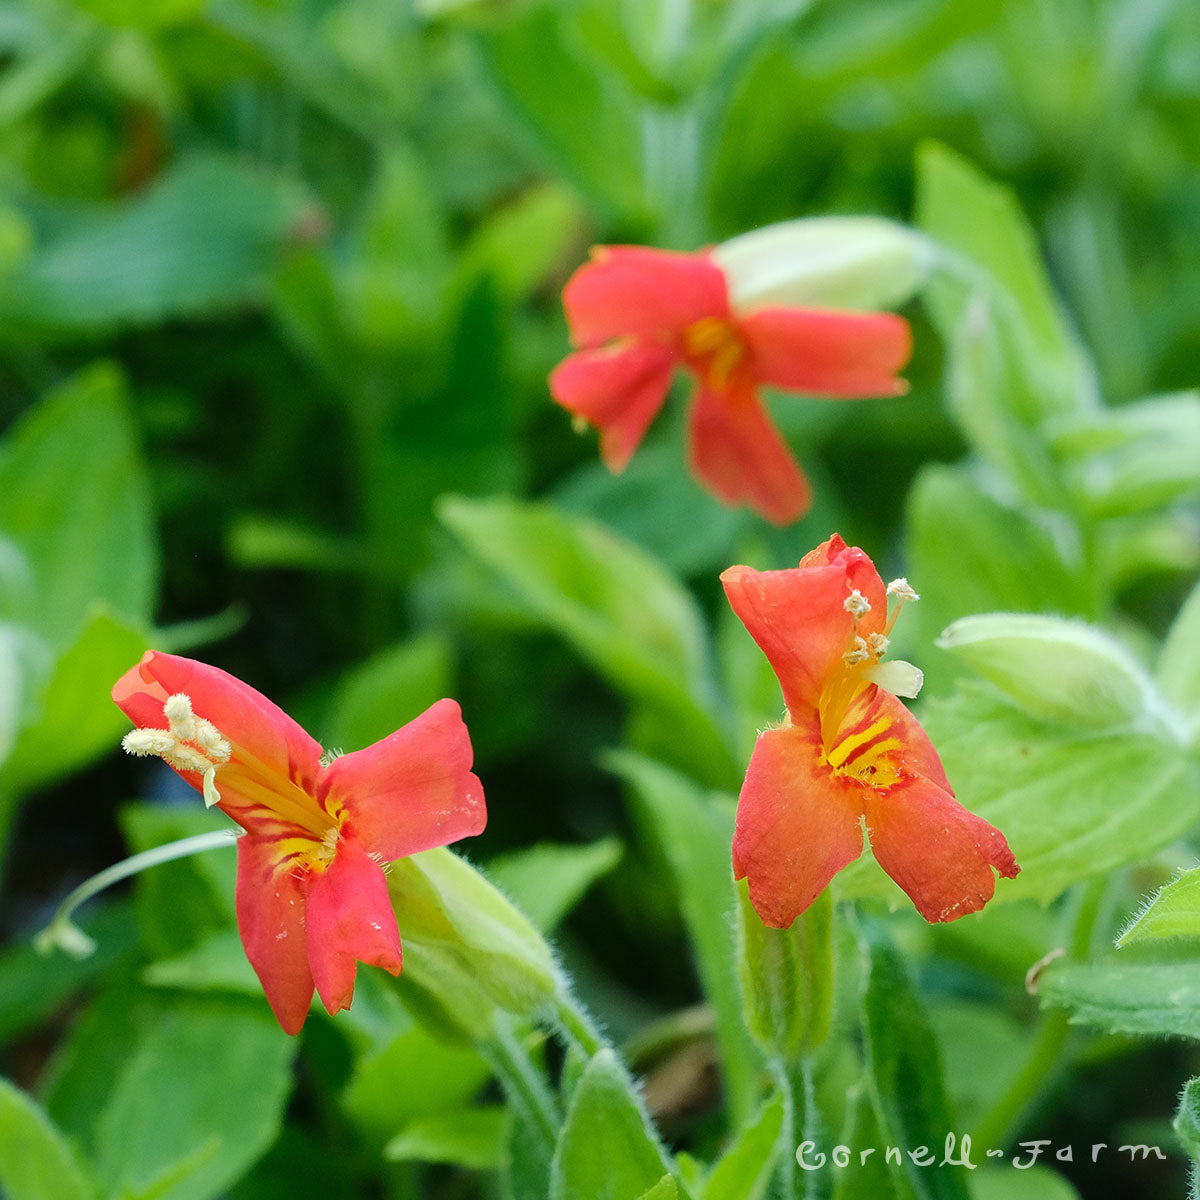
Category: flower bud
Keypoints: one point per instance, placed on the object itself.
(1054, 668)
(825, 262)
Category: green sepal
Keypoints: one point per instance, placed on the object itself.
(786, 977)
(467, 950)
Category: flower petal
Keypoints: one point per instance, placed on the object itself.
(799, 620)
(619, 389)
(735, 450)
(411, 791)
(846, 354)
(271, 918)
(256, 727)
(641, 292)
(797, 824)
(349, 919)
(938, 852)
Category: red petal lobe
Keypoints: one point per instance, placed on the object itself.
(797, 826)
(619, 389)
(846, 354)
(799, 620)
(938, 852)
(349, 919)
(270, 901)
(735, 450)
(411, 791)
(638, 291)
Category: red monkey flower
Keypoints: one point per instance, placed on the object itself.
(637, 313)
(312, 900)
(848, 751)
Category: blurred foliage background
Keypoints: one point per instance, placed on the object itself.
(278, 278)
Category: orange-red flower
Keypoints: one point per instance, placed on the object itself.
(637, 313)
(848, 751)
(312, 900)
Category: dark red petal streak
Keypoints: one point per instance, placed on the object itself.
(736, 451)
(845, 354)
(349, 920)
(638, 291)
(797, 825)
(619, 389)
(799, 620)
(938, 852)
(411, 791)
(244, 716)
(270, 913)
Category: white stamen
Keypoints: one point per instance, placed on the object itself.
(857, 653)
(178, 711)
(901, 590)
(189, 743)
(143, 742)
(856, 604)
(878, 643)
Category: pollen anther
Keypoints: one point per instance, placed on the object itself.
(856, 604)
(189, 743)
(902, 590)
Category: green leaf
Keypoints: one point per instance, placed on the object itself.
(128, 1083)
(1072, 804)
(1187, 1120)
(398, 266)
(547, 880)
(181, 903)
(136, 14)
(1174, 911)
(375, 698)
(1136, 458)
(449, 1077)
(77, 721)
(787, 977)
(695, 832)
(632, 621)
(33, 986)
(470, 1137)
(36, 1161)
(575, 110)
(75, 500)
(968, 553)
(1146, 999)
(744, 1171)
(1065, 671)
(665, 1189)
(524, 243)
(982, 222)
(203, 236)
(905, 1070)
(606, 1150)
(1179, 662)
(1028, 1183)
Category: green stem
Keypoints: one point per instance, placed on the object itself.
(576, 1024)
(509, 1058)
(1042, 1061)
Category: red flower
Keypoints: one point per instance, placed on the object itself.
(636, 313)
(312, 899)
(848, 751)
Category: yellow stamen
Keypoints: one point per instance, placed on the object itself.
(715, 348)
